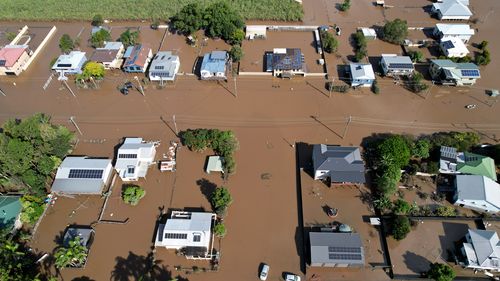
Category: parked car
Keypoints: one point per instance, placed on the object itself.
(292, 277)
(264, 272)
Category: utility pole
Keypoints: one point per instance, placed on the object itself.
(175, 125)
(72, 119)
(235, 89)
(141, 89)
(347, 126)
(3, 94)
(67, 86)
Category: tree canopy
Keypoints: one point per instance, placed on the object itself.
(395, 31)
(396, 147)
(221, 199)
(129, 38)
(189, 19)
(16, 262)
(73, 255)
(236, 53)
(132, 194)
(97, 20)
(92, 69)
(97, 40)
(329, 42)
(66, 44)
(400, 227)
(441, 272)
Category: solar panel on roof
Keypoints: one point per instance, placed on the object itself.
(448, 44)
(470, 72)
(127, 155)
(401, 65)
(344, 257)
(3, 62)
(344, 249)
(85, 174)
(469, 158)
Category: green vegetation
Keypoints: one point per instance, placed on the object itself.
(463, 141)
(92, 70)
(236, 53)
(16, 262)
(401, 207)
(220, 230)
(220, 200)
(237, 37)
(375, 88)
(10, 35)
(416, 56)
(400, 227)
(132, 194)
(287, 10)
(483, 57)
(395, 31)
(329, 43)
(441, 272)
(97, 40)
(32, 209)
(223, 143)
(97, 20)
(383, 203)
(420, 148)
(360, 45)
(30, 150)
(446, 211)
(416, 83)
(345, 6)
(74, 255)
(129, 38)
(66, 44)
(189, 19)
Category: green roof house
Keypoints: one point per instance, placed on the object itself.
(476, 164)
(10, 208)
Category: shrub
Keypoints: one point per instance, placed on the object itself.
(129, 38)
(66, 44)
(462, 141)
(401, 207)
(328, 42)
(92, 69)
(416, 56)
(236, 53)
(483, 45)
(400, 227)
(220, 230)
(345, 6)
(416, 83)
(360, 46)
(74, 255)
(221, 199)
(132, 194)
(375, 88)
(97, 39)
(395, 31)
(97, 20)
(446, 211)
(441, 272)
(383, 203)
(483, 58)
(32, 209)
(237, 36)
(420, 148)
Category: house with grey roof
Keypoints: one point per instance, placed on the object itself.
(340, 164)
(447, 72)
(478, 193)
(285, 62)
(110, 56)
(82, 175)
(335, 249)
(188, 232)
(214, 66)
(481, 250)
(394, 65)
(362, 74)
(134, 158)
(452, 10)
(164, 67)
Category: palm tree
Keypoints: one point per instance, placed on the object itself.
(74, 255)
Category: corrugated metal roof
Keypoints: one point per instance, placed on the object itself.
(63, 183)
(361, 71)
(344, 162)
(10, 54)
(454, 29)
(214, 62)
(475, 187)
(198, 221)
(452, 8)
(336, 248)
(485, 243)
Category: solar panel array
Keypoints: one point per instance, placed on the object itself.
(344, 256)
(471, 158)
(448, 44)
(175, 235)
(401, 65)
(85, 174)
(470, 72)
(448, 152)
(344, 253)
(128, 156)
(344, 249)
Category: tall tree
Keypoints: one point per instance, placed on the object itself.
(97, 20)
(97, 39)
(189, 19)
(222, 20)
(441, 272)
(129, 38)
(66, 44)
(395, 31)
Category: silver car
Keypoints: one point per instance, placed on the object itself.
(264, 272)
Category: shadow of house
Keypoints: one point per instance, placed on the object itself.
(416, 263)
(424, 70)
(343, 73)
(375, 62)
(304, 158)
(452, 232)
(136, 267)
(207, 188)
(197, 66)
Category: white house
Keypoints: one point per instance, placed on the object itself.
(394, 65)
(453, 48)
(164, 67)
(478, 193)
(255, 31)
(452, 10)
(362, 74)
(13, 58)
(82, 175)
(482, 250)
(214, 65)
(110, 56)
(447, 72)
(445, 31)
(71, 63)
(134, 158)
(188, 232)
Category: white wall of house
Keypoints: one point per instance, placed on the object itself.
(478, 205)
(321, 174)
(17, 68)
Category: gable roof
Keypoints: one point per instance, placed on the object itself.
(189, 221)
(486, 246)
(454, 70)
(82, 175)
(104, 55)
(454, 29)
(138, 56)
(10, 208)
(475, 187)
(214, 61)
(164, 62)
(478, 165)
(344, 162)
(72, 60)
(452, 8)
(397, 62)
(361, 71)
(284, 59)
(336, 248)
(10, 54)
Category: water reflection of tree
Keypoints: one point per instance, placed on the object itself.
(144, 268)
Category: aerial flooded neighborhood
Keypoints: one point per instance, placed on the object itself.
(292, 140)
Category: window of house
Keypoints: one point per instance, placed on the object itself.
(130, 170)
(196, 237)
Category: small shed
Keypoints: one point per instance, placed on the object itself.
(255, 31)
(214, 164)
(369, 33)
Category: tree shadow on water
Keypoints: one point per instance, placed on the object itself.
(416, 263)
(207, 188)
(145, 268)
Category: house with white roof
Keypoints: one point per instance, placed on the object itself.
(110, 56)
(164, 67)
(477, 192)
(482, 250)
(444, 31)
(394, 65)
(188, 232)
(362, 74)
(13, 58)
(453, 48)
(368, 33)
(213, 66)
(82, 175)
(71, 63)
(255, 31)
(134, 158)
(448, 72)
(452, 10)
